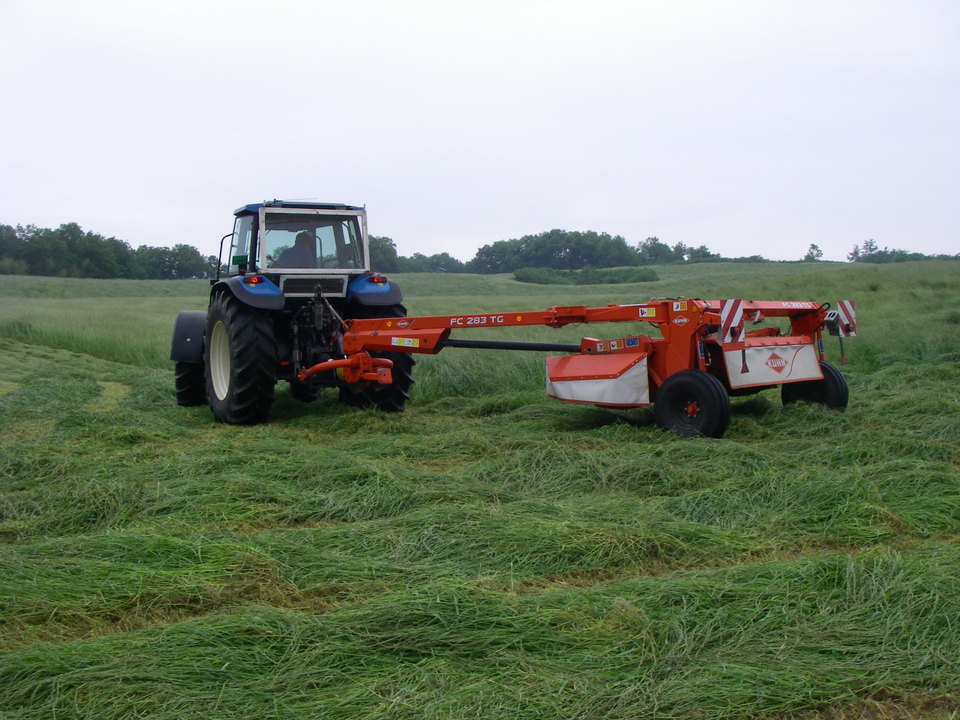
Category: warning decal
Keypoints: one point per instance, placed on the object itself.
(731, 321)
(405, 342)
(848, 318)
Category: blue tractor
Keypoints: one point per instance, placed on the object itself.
(296, 271)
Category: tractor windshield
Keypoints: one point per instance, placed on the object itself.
(305, 240)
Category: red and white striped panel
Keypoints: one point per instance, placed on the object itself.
(848, 318)
(731, 321)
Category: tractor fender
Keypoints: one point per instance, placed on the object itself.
(363, 290)
(187, 343)
(263, 295)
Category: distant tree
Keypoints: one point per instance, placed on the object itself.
(417, 263)
(176, 263)
(441, 262)
(384, 258)
(814, 253)
(383, 255)
(493, 258)
(46, 251)
(69, 251)
(11, 251)
(558, 249)
(679, 253)
(701, 254)
(9, 240)
(654, 252)
(869, 252)
(187, 261)
(444, 262)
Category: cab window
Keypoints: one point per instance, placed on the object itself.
(304, 241)
(240, 245)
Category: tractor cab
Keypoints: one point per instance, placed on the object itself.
(299, 245)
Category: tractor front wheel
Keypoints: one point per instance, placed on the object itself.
(692, 403)
(240, 357)
(832, 391)
(189, 384)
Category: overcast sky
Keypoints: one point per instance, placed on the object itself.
(753, 127)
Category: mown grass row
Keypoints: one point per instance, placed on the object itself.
(759, 639)
(489, 553)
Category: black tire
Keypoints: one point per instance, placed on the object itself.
(191, 387)
(304, 392)
(388, 398)
(692, 403)
(832, 391)
(240, 361)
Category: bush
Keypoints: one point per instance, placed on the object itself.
(541, 276)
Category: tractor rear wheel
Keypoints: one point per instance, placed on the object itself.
(832, 391)
(240, 357)
(189, 383)
(692, 403)
(388, 398)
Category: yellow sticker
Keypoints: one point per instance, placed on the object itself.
(680, 306)
(648, 312)
(405, 342)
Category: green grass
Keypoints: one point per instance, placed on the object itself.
(489, 553)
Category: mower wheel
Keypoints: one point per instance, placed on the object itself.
(692, 403)
(240, 358)
(388, 398)
(832, 391)
(191, 388)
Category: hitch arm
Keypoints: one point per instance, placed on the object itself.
(354, 368)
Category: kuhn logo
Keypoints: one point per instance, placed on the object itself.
(403, 323)
(776, 363)
(680, 320)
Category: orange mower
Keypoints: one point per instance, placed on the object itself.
(702, 356)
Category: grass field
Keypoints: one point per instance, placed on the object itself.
(489, 553)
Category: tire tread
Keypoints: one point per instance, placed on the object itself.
(253, 359)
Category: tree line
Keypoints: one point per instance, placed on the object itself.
(555, 249)
(869, 252)
(566, 250)
(68, 251)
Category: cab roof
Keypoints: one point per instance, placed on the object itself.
(303, 205)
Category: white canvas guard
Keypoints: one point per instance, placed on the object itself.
(627, 386)
(772, 365)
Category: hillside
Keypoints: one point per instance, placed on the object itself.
(489, 553)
